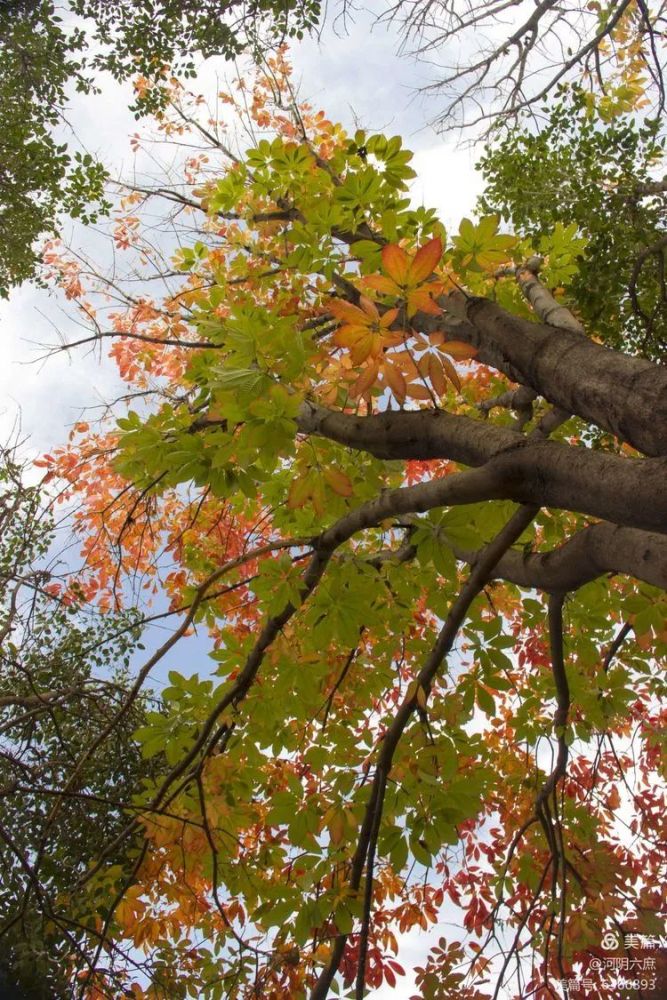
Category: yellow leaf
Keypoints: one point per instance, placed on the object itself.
(299, 491)
(351, 819)
(360, 340)
(339, 482)
(317, 496)
(411, 690)
(337, 827)
(348, 335)
(396, 263)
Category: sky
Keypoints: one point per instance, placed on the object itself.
(357, 79)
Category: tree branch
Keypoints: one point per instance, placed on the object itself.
(624, 395)
(630, 492)
(457, 615)
(590, 553)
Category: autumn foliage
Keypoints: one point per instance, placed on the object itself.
(334, 774)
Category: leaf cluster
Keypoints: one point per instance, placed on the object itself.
(587, 173)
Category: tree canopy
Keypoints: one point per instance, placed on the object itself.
(63, 676)
(48, 49)
(591, 175)
(411, 485)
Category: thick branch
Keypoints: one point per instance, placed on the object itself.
(648, 188)
(596, 550)
(625, 491)
(548, 309)
(624, 395)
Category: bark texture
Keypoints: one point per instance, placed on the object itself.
(623, 395)
(628, 491)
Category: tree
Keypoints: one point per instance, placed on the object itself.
(421, 514)
(46, 50)
(602, 165)
(511, 56)
(63, 675)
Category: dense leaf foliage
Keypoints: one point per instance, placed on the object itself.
(63, 676)
(38, 176)
(434, 626)
(47, 49)
(588, 173)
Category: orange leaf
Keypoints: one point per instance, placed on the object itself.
(418, 391)
(339, 482)
(424, 365)
(396, 263)
(420, 300)
(365, 380)
(348, 336)
(360, 340)
(346, 312)
(388, 318)
(459, 350)
(425, 260)
(379, 283)
(451, 372)
(391, 338)
(369, 308)
(613, 799)
(437, 375)
(396, 381)
(363, 348)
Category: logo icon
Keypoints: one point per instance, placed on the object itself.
(610, 941)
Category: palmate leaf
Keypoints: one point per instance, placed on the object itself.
(481, 247)
(396, 264)
(425, 261)
(407, 272)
